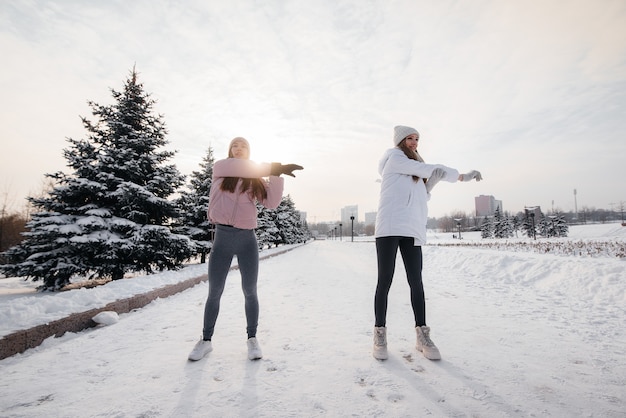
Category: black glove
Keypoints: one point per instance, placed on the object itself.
(278, 169)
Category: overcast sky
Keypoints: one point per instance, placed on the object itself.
(530, 92)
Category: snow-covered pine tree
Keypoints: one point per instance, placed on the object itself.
(45, 252)
(497, 224)
(139, 181)
(111, 214)
(281, 225)
(502, 225)
(486, 228)
(545, 227)
(288, 222)
(515, 222)
(304, 229)
(528, 225)
(553, 225)
(48, 251)
(561, 226)
(193, 205)
(267, 232)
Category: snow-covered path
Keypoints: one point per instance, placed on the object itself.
(520, 334)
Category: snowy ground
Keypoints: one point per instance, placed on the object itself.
(521, 334)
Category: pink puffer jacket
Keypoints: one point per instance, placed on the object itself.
(239, 209)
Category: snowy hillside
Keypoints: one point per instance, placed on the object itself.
(521, 334)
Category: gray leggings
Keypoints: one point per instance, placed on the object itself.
(229, 242)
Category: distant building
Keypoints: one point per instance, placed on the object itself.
(487, 205)
(349, 211)
(302, 216)
(370, 218)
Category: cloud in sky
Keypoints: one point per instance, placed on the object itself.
(532, 93)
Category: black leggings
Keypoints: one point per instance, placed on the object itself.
(386, 251)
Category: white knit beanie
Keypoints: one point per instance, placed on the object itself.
(400, 132)
(238, 139)
(241, 139)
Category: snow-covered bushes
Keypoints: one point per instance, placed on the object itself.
(580, 248)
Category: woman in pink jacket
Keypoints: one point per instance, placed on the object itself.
(237, 187)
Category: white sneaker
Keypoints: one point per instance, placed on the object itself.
(425, 344)
(201, 349)
(254, 349)
(380, 343)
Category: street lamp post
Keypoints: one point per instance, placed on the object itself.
(458, 225)
(352, 233)
(340, 232)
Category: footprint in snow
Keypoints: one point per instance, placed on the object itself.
(395, 397)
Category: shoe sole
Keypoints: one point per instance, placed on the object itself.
(197, 359)
(381, 356)
(437, 357)
(190, 358)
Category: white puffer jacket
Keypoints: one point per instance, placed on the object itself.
(402, 208)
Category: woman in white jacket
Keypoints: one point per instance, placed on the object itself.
(401, 223)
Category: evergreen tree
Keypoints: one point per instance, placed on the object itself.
(545, 227)
(305, 231)
(502, 225)
(288, 222)
(498, 224)
(193, 206)
(267, 232)
(515, 222)
(110, 215)
(528, 225)
(554, 226)
(486, 229)
(561, 226)
(281, 225)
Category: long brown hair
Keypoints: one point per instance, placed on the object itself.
(413, 155)
(256, 187)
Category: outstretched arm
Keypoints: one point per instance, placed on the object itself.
(234, 167)
(439, 174)
(398, 163)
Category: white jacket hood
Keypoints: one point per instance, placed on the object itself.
(384, 159)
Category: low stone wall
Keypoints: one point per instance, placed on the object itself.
(20, 341)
